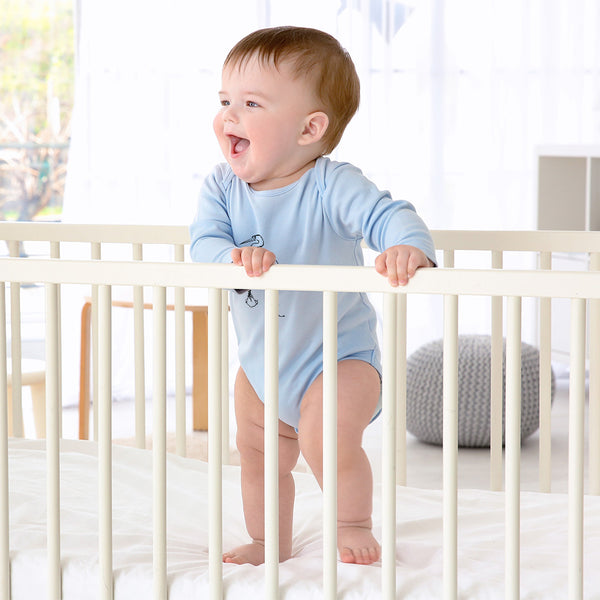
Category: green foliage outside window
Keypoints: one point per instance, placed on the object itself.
(37, 54)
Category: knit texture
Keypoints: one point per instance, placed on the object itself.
(424, 391)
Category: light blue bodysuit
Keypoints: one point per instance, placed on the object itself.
(319, 219)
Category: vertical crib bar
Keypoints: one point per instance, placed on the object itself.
(513, 448)
(138, 353)
(271, 443)
(576, 444)
(104, 435)
(55, 253)
(329, 444)
(52, 444)
(95, 254)
(15, 342)
(496, 385)
(448, 259)
(594, 390)
(215, 463)
(450, 446)
(545, 444)
(159, 443)
(225, 375)
(401, 391)
(4, 479)
(180, 427)
(388, 413)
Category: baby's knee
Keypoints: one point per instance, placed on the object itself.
(249, 442)
(289, 451)
(311, 446)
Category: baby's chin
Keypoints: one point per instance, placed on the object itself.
(241, 173)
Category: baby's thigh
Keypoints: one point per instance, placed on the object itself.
(359, 390)
(249, 415)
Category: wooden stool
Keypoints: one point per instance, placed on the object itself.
(199, 364)
(33, 374)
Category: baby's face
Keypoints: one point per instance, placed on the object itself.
(263, 115)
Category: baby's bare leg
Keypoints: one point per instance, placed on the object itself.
(358, 395)
(249, 411)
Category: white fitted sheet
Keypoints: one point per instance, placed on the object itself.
(419, 533)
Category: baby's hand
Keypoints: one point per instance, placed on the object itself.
(400, 263)
(255, 260)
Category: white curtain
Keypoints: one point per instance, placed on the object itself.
(456, 95)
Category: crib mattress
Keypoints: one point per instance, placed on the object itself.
(419, 534)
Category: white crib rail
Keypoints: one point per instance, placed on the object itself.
(215, 463)
(497, 243)
(451, 283)
(98, 237)
(4, 472)
(544, 244)
(105, 549)
(450, 445)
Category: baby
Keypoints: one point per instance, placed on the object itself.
(287, 95)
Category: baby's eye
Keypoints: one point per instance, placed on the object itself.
(251, 104)
(224, 102)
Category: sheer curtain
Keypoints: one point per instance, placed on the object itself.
(456, 95)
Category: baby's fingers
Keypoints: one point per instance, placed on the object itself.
(254, 260)
(261, 261)
(393, 264)
(236, 256)
(400, 263)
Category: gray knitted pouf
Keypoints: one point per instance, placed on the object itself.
(424, 391)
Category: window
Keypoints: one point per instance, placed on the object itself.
(37, 82)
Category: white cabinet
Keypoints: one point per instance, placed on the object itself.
(568, 198)
(568, 188)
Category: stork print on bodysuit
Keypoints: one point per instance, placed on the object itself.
(258, 241)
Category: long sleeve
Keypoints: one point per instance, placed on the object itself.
(211, 232)
(357, 208)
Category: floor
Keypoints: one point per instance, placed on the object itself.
(123, 420)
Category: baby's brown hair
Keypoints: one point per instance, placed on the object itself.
(313, 54)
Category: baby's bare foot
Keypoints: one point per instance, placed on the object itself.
(356, 543)
(253, 554)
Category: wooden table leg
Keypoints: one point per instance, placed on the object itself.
(200, 370)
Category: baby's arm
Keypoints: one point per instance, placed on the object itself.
(400, 263)
(255, 260)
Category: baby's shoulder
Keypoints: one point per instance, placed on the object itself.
(222, 175)
(218, 184)
(334, 176)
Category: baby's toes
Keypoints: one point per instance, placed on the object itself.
(347, 555)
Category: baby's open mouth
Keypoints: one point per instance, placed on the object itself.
(238, 145)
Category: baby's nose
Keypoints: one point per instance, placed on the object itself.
(229, 114)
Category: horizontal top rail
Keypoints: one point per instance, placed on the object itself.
(524, 241)
(103, 233)
(492, 282)
(517, 241)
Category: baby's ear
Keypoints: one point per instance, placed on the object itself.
(314, 128)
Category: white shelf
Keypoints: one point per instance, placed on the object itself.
(568, 188)
(574, 150)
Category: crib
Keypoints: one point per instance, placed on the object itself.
(91, 519)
